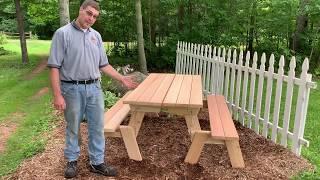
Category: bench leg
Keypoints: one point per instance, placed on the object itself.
(235, 154)
(195, 149)
(130, 141)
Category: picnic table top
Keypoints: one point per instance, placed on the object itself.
(168, 90)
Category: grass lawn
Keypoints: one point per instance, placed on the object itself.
(36, 113)
(32, 117)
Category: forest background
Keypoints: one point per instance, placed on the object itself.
(282, 27)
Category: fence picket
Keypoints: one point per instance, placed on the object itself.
(233, 73)
(205, 63)
(213, 68)
(277, 100)
(287, 110)
(218, 67)
(226, 84)
(207, 89)
(190, 59)
(184, 56)
(259, 93)
(222, 70)
(229, 76)
(177, 70)
(244, 89)
(268, 96)
(252, 88)
(239, 79)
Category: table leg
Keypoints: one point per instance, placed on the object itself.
(192, 123)
(136, 121)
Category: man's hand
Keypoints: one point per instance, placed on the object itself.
(129, 82)
(59, 103)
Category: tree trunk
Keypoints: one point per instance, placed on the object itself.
(190, 12)
(64, 12)
(252, 27)
(23, 42)
(142, 56)
(181, 16)
(301, 26)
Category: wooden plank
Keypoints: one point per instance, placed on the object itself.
(131, 99)
(117, 118)
(196, 147)
(130, 141)
(235, 154)
(173, 92)
(114, 109)
(185, 90)
(230, 131)
(150, 91)
(214, 115)
(196, 99)
(162, 90)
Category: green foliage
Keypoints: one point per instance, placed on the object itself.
(32, 116)
(109, 99)
(3, 38)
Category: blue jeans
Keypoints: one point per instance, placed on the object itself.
(84, 100)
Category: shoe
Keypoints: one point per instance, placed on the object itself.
(71, 170)
(103, 169)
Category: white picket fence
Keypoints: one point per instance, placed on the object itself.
(246, 88)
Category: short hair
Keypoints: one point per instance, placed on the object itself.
(92, 3)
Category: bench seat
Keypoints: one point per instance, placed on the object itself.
(222, 131)
(115, 115)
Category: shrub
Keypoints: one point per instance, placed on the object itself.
(109, 99)
(3, 38)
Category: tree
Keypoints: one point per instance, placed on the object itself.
(302, 24)
(142, 56)
(64, 12)
(23, 42)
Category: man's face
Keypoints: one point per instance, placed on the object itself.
(87, 17)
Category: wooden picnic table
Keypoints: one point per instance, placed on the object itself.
(174, 93)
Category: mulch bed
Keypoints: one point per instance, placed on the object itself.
(164, 142)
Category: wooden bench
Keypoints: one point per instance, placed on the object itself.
(113, 128)
(222, 131)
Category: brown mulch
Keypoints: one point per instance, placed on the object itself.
(163, 143)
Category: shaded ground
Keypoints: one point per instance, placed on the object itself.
(164, 142)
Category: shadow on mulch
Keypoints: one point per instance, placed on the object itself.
(163, 143)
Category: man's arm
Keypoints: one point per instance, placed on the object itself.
(126, 80)
(58, 100)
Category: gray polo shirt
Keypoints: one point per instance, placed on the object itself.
(77, 54)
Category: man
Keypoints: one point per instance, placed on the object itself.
(77, 56)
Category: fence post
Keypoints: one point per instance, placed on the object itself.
(301, 108)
